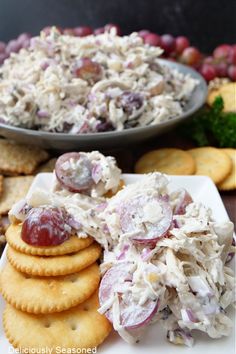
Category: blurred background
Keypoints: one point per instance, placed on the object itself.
(207, 23)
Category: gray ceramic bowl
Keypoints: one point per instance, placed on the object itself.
(114, 139)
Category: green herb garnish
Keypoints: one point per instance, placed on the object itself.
(212, 126)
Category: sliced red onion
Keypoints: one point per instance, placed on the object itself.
(96, 173)
(188, 316)
(121, 256)
(146, 253)
(42, 114)
(175, 224)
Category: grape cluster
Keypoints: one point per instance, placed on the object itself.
(222, 62)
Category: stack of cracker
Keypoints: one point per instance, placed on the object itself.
(51, 295)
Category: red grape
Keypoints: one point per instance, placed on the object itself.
(99, 30)
(232, 55)
(168, 43)
(23, 37)
(232, 72)
(2, 47)
(222, 52)
(78, 179)
(88, 70)
(208, 72)
(190, 56)
(45, 226)
(143, 33)
(208, 60)
(109, 26)
(82, 31)
(152, 39)
(221, 69)
(181, 43)
(13, 47)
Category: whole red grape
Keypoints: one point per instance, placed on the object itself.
(190, 56)
(232, 72)
(152, 39)
(232, 55)
(208, 72)
(221, 69)
(167, 43)
(222, 52)
(181, 43)
(82, 31)
(13, 46)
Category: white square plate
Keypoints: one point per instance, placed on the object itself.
(202, 189)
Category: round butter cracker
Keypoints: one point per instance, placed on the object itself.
(211, 162)
(53, 266)
(73, 244)
(229, 183)
(167, 160)
(81, 327)
(47, 294)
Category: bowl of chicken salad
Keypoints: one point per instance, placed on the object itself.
(67, 92)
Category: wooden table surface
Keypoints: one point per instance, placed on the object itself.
(128, 155)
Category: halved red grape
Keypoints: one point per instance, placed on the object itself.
(132, 315)
(82, 31)
(45, 226)
(152, 39)
(74, 171)
(150, 217)
(88, 70)
(181, 43)
(184, 200)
